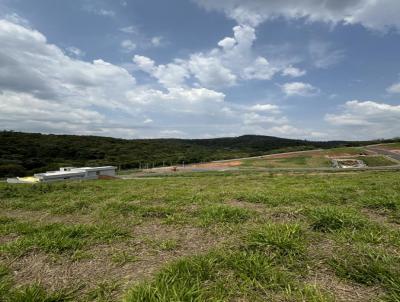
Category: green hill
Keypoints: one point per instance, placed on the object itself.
(26, 153)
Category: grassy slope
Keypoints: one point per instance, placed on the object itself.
(391, 146)
(249, 236)
(377, 161)
(301, 161)
(318, 159)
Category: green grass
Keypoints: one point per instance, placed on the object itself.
(370, 266)
(224, 236)
(301, 161)
(223, 214)
(54, 238)
(345, 150)
(29, 293)
(330, 219)
(391, 146)
(377, 161)
(278, 239)
(221, 276)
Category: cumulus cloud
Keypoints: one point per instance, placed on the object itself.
(377, 15)
(44, 89)
(299, 89)
(234, 60)
(210, 71)
(265, 108)
(293, 72)
(256, 118)
(362, 119)
(169, 75)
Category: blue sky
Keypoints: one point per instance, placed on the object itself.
(314, 69)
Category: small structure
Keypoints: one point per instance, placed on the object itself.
(68, 173)
(346, 163)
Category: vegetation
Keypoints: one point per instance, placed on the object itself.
(377, 161)
(221, 236)
(301, 161)
(26, 153)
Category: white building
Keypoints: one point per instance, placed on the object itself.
(68, 173)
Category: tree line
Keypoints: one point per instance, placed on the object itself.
(28, 153)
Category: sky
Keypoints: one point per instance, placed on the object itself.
(309, 69)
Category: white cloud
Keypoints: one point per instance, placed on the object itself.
(367, 119)
(255, 118)
(157, 41)
(144, 63)
(265, 108)
(379, 15)
(299, 89)
(210, 71)
(293, 72)
(169, 75)
(395, 88)
(128, 45)
(129, 29)
(225, 66)
(260, 69)
(43, 89)
(227, 43)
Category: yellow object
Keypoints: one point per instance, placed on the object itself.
(29, 179)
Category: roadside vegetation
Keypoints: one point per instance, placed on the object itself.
(222, 236)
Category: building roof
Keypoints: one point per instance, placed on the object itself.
(73, 172)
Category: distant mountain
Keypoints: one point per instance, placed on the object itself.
(27, 153)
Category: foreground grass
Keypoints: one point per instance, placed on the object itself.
(239, 236)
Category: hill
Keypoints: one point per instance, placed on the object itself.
(27, 153)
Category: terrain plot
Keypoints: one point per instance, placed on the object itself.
(308, 159)
(213, 236)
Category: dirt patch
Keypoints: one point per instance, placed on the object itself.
(234, 163)
(258, 207)
(322, 276)
(380, 218)
(8, 238)
(344, 291)
(293, 154)
(56, 273)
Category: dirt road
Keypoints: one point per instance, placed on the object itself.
(391, 154)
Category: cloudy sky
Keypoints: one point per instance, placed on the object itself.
(314, 69)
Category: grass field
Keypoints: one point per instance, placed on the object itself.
(312, 159)
(239, 236)
(301, 161)
(377, 161)
(390, 146)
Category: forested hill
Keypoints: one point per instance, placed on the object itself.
(26, 153)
